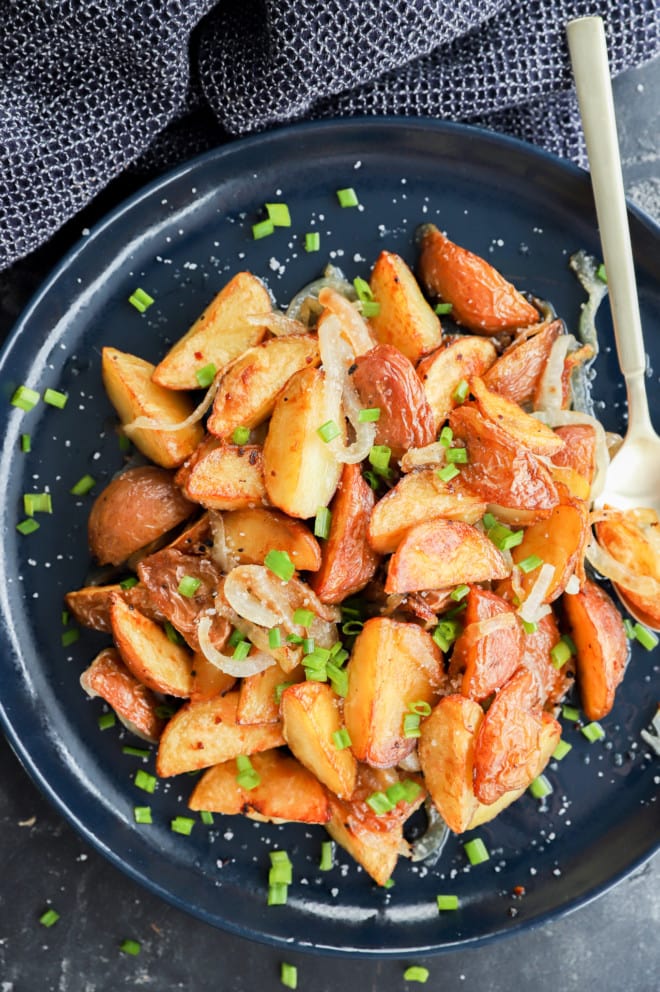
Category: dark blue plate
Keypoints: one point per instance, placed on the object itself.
(181, 240)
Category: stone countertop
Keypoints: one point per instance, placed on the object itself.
(610, 943)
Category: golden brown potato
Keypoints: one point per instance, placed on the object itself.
(301, 473)
(516, 374)
(443, 553)
(579, 451)
(446, 754)
(248, 389)
(135, 705)
(512, 419)
(195, 538)
(219, 335)
(602, 647)
(405, 319)
(386, 379)
(251, 534)
(310, 716)
(460, 358)
(553, 683)
(287, 790)
(208, 680)
(226, 477)
(148, 653)
(481, 298)
(90, 606)
(559, 541)
(348, 562)
(415, 498)
(498, 469)
(258, 702)
(206, 733)
(127, 381)
(136, 508)
(632, 539)
(487, 660)
(392, 665)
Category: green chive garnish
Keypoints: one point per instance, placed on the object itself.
(241, 651)
(280, 565)
(278, 894)
(601, 273)
(420, 707)
(312, 241)
(369, 415)
(459, 593)
(379, 803)
(530, 563)
(274, 638)
(129, 582)
(143, 780)
(562, 749)
(205, 375)
(279, 689)
(347, 197)
(416, 974)
(135, 752)
(448, 472)
(26, 443)
(446, 436)
(441, 308)
(327, 856)
(328, 431)
(142, 814)
(173, 635)
(182, 825)
(363, 289)
(593, 732)
(206, 817)
(560, 654)
(70, 637)
(27, 526)
(411, 726)
(48, 918)
(281, 873)
(341, 739)
(461, 391)
(37, 503)
(476, 851)
(140, 300)
(83, 486)
(629, 628)
(379, 458)
(570, 713)
(338, 679)
(289, 975)
(322, 522)
(106, 720)
(25, 398)
(262, 229)
(530, 627)
(247, 777)
(240, 435)
(540, 787)
(370, 308)
(447, 902)
(279, 214)
(235, 638)
(304, 618)
(457, 455)
(188, 586)
(132, 947)
(645, 637)
(54, 398)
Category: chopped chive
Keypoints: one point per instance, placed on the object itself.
(205, 375)
(289, 975)
(27, 526)
(341, 739)
(327, 856)
(312, 241)
(562, 749)
(304, 618)
(570, 713)
(370, 308)
(308, 645)
(143, 780)
(240, 435)
(65, 617)
(83, 486)
(379, 803)
(54, 398)
(461, 391)
(164, 711)
(132, 947)
(142, 814)
(135, 752)
(281, 873)
(446, 436)
(395, 792)
(441, 308)
(37, 503)
(504, 538)
(448, 472)
(26, 443)
(279, 689)
(629, 628)
(447, 902)
(294, 639)
(140, 300)
(328, 431)
(530, 563)
(379, 458)
(416, 974)
(274, 638)
(593, 732)
(277, 894)
(322, 522)
(129, 582)
(601, 273)
(530, 626)
(280, 565)
(372, 479)
(338, 679)
(420, 707)
(569, 642)
(645, 637)
(412, 789)
(540, 787)
(235, 637)
(369, 415)
(347, 197)
(124, 443)
(352, 627)
(25, 398)
(440, 639)
(411, 726)
(262, 229)
(50, 917)
(173, 635)
(182, 825)
(188, 586)
(279, 214)
(459, 593)
(489, 520)
(389, 884)
(560, 654)
(457, 455)
(476, 851)
(363, 289)
(243, 763)
(206, 817)
(279, 857)
(241, 651)
(106, 720)
(70, 637)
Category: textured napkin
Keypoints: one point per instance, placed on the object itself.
(89, 88)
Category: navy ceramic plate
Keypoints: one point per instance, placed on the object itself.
(180, 241)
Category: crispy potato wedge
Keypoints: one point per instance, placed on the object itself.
(195, 538)
(148, 653)
(354, 327)
(127, 381)
(575, 484)
(633, 541)
(250, 386)
(138, 507)
(508, 741)
(258, 702)
(135, 705)
(287, 790)
(441, 372)
(442, 553)
(208, 680)
(602, 647)
(517, 372)
(559, 541)
(553, 683)
(206, 733)
(392, 665)
(487, 660)
(405, 319)
(446, 754)
(386, 379)
(310, 716)
(498, 469)
(416, 497)
(512, 419)
(227, 477)
(301, 473)
(481, 298)
(219, 335)
(251, 534)
(348, 561)
(579, 451)
(90, 606)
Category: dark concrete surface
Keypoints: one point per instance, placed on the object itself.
(610, 944)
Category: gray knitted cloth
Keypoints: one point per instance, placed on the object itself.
(89, 88)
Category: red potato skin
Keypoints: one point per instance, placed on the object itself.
(109, 678)
(489, 662)
(579, 451)
(517, 373)
(348, 562)
(386, 379)
(552, 683)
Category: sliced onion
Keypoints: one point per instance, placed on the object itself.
(220, 552)
(430, 455)
(607, 565)
(247, 589)
(572, 586)
(550, 391)
(255, 662)
(277, 323)
(353, 325)
(563, 418)
(337, 357)
(143, 423)
(333, 277)
(533, 608)
(513, 516)
(483, 628)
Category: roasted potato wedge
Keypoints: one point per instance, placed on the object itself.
(512, 419)
(250, 386)
(208, 680)
(405, 319)
(310, 716)
(287, 790)
(446, 754)
(517, 372)
(135, 705)
(416, 497)
(227, 477)
(579, 451)
(559, 541)
(206, 733)
(632, 539)
(552, 683)
(148, 653)
(487, 660)
(602, 647)
(392, 665)
(90, 606)
(258, 702)
(219, 335)
(128, 383)
(442, 553)
(348, 561)
(251, 534)
(441, 371)
(481, 298)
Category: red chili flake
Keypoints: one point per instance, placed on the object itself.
(519, 890)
